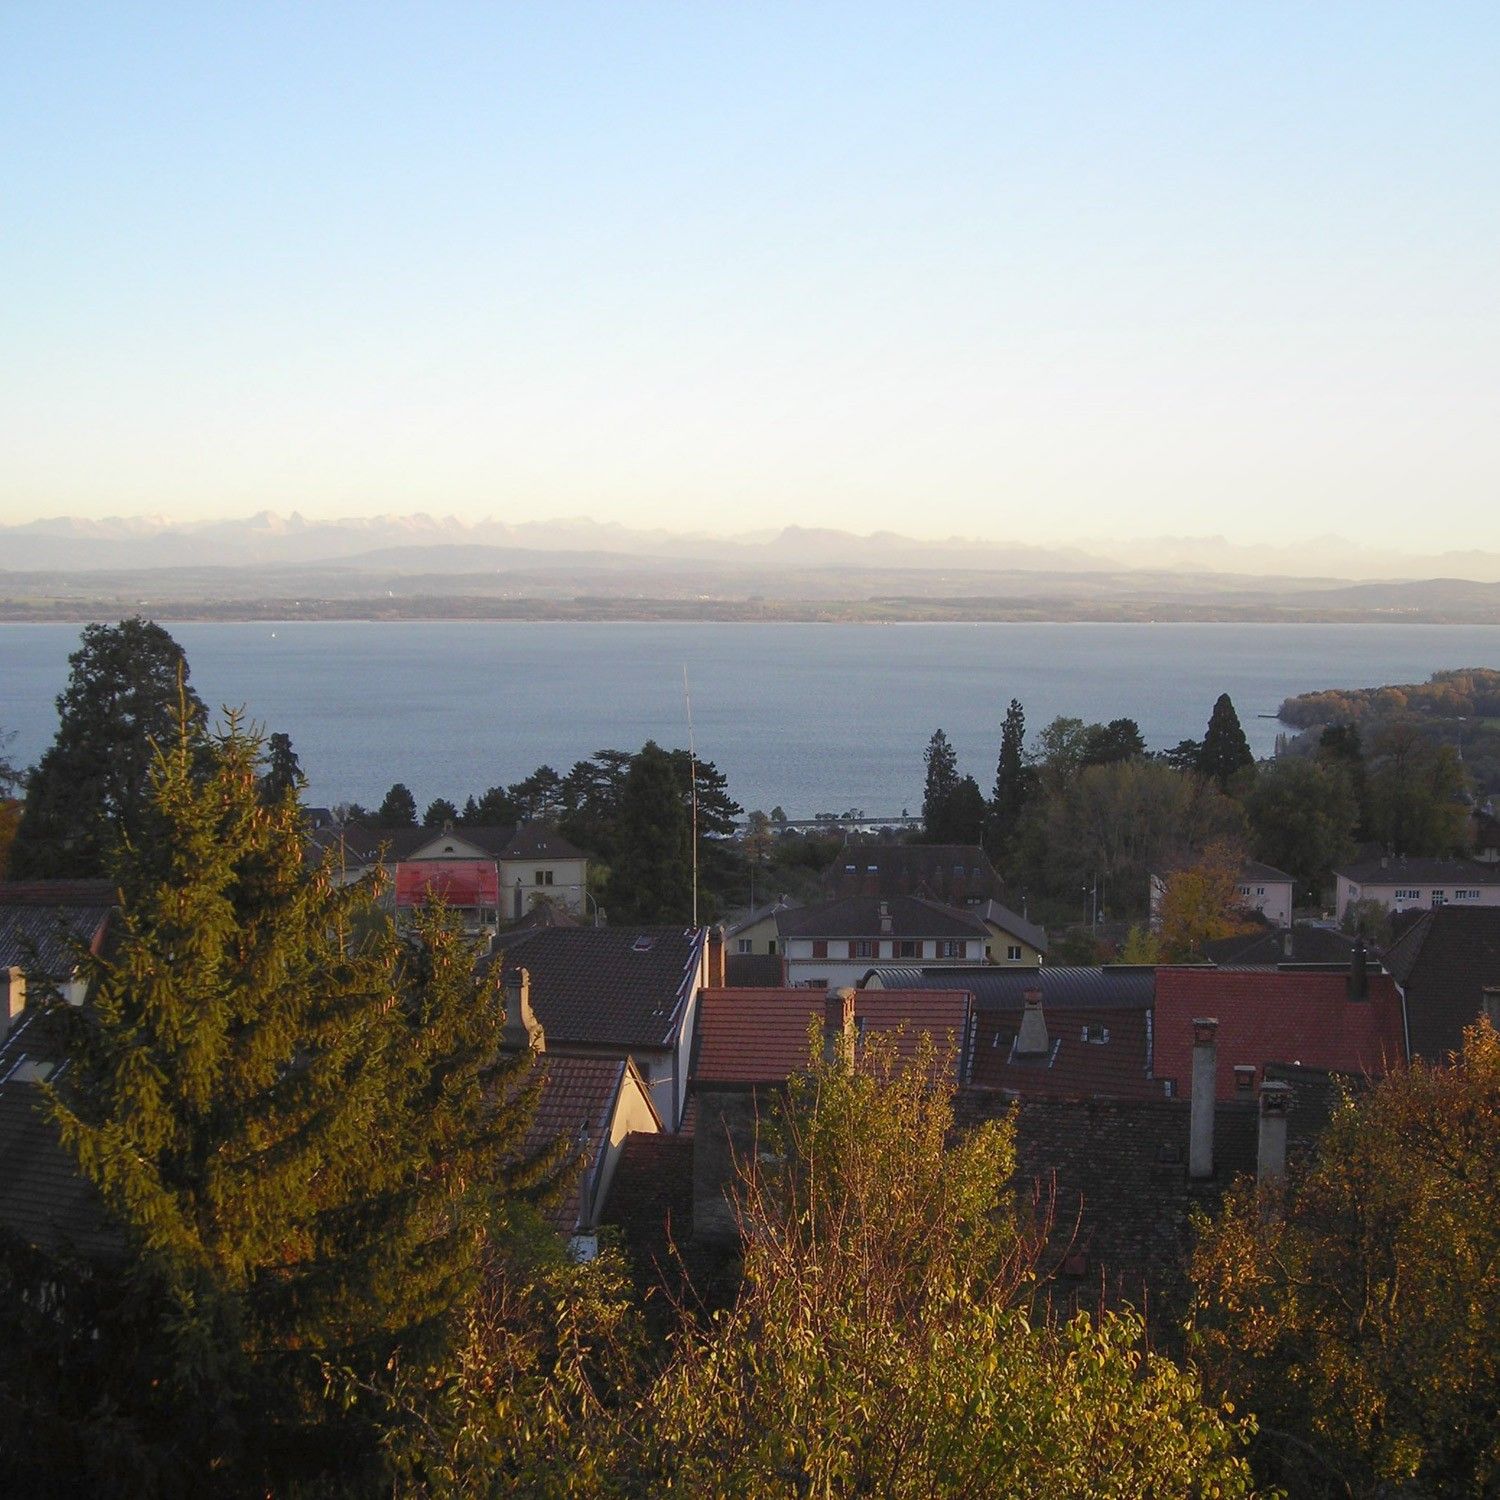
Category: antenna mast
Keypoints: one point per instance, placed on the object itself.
(687, 699)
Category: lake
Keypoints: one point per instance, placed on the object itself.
(811, 717)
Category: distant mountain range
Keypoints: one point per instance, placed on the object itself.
(428, 544)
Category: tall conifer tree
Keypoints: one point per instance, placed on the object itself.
(1225, 749)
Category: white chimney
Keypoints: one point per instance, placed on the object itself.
(1201, 1115)
(1270, 1156)
(839, 1029)
(1032, 1039)
(522, 1029)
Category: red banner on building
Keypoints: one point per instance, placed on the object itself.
(460, 882)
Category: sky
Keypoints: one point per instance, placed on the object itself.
(1042, 271)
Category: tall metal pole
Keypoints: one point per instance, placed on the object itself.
(687, 699)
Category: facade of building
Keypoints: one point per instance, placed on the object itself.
(1412, 884)
(1261, 888)
(837, 942)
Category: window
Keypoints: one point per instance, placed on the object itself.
(1439, 898)
(1013, 952)
(1095, 1033)
(820, 948)
(1244, 890)
(771, 946)
(542, 877)
(906, 948)
(1470, 895)
(851, 869)
(861, 948)
(1260, 890)
(1401, 895)
(1005, 1036)
(950, 949)
(742, 946)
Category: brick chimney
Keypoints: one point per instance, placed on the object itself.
(522, 1029)
(838, 1026)
(1270, 1156)
(1032, 1039)
(716, 961)
(1489, 1004)
(1201, 1113)
(12, 998)
(1244, 1079)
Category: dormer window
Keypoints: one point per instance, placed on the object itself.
(643, 944)
(1095, 1033)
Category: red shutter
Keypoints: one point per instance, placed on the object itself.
(820, 947)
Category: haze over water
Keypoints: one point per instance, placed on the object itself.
(814, 718)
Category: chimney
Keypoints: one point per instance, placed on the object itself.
(12, 998)
(1244, 1080)
(1201, 1116)
(1270, 1156)
(1359, 974)
(1032, 1039)
(838, 1026)
(885, 917)
(522, 1029)
(1287, 945)
(716, 961)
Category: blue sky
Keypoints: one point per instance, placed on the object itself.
(1048, 271)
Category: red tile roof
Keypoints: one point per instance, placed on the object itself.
(748, 1037)
(1285, 1017)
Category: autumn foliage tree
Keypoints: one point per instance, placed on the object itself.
(1201, 904)
(1362, 1324)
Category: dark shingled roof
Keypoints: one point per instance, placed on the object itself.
(610, 986)
(1254, 870)
(1465, 872)
(1311, 943)
(860, 916)
(1132, 986)
(1017, 926)
(44, 922)
(44, 1199)
(943, 872)
(363, 843)
(1443, 961)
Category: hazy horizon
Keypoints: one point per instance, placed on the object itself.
(1064, 274)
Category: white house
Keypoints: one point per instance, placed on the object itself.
(1404, 884)
(838, 942)
(1261, 888)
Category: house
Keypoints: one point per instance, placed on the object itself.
(595, 1103)
(754, 934)
(1347, 1019)
(617, 992)
(957, 874)
(836, 942)
(1403, 884)
(749, 1044)
(1444, 963)
(1261, 888)
(489, 875)
(45, 926)
(1013, 940)
(1065, 1032)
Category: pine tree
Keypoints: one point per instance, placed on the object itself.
(283, 773)
(399, 809)
(1014, 780)
(942, 782)
(299, 1121)
(1225, 749)
(651, 880)
(440, 811)
(90, 789)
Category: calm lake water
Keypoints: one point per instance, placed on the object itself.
(813, 717)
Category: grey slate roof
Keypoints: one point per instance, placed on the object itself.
(1128, 986)
(1013, 923)
(363, 843)
(1465, 872)
(942, 872)
(44, 922)
(1310, 944)
(1442, 962)
(1254, 870)
(860, 916)
(608, 986)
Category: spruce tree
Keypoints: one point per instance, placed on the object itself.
(399, 809)
(283, 771)
(651, 880)
(1225, 748)
(299, 1120)
(1014, 780)
(90, 789)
